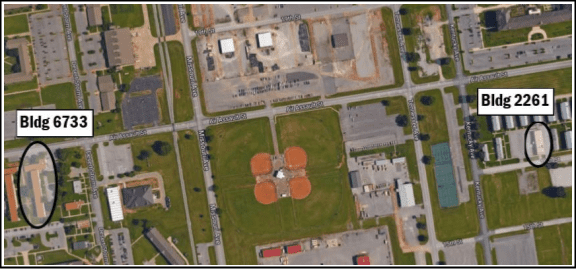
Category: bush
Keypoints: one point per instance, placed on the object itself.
(144, 154)
(427, 159)
(402, 120)
(137, 168)
(427, 100)
(162, 148)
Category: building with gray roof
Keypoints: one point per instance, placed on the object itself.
(164, 247)
(137, 196)
(524, 121)
(355, 181)
(538, 118)
(565, 111)
(339, 40)
(119, 47)
(20, 48)
(568, 139)
(107, 87)
(496, 126)
(499, 148)
(94, 15)
(509, 122)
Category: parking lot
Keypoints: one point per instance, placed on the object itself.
(121, 247)
(93, 54)
(142, 108)
(115, 159)
(50, 48)
(336, 249)
(516, 249)
(10, 121)
(461, 254)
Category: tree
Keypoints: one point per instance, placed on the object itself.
(552, 165)
(427, 100)
(470, 98)
(403, 11)
(424, 137)
(144, 154)
(214, 188)
(162, 148)
(62, 154)
(476, 135)
(412, 57)
(75, 164)
(406, 31)
(422, 238)
(187, 136)
(421, 225)
(137, 168)
(402, 120)
(218, 211)
(554, 192)
(196, 189)
(426, 159)
(480, 155)
(64, 168)
(420, 117)
(385, 102)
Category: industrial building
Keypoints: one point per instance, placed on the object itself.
(509, 122)
(568, 139)
(226, 45)
(538, 142)
(486, 152)
(164, 247)
(114, 203)
(499, 148)
(362, 260)
(339, 40)
(21, 53)
(264, 40)
(406, 194)
(496, 126)
(11, 193)
(524, 121)
(119, 47)
(565, 110)
(94, 15)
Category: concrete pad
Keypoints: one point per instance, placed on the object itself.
(561, 176)
(461, 254)
(516, 250)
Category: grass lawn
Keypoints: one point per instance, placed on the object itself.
(560, 80)
(554, 244)
(21, 86)
(429, 259)
(127, 15)
(58, 256)
(190, 17)
(393, 53)
(195, 188)
(241, 136)
(400, 258)
(151, 20)
(448, 70)
(143, 250)
(493, 39)
(396, 105)
(247, 223)
(169, 223)
(108, 123)
(480, 254)
(16, 24)
(460, 116)
(319, 125)
(212, 251)
(450, 223)
(21, 100)
(63, 95)
(297, 101)
(183, 110)
(505, 206)
(557, 29)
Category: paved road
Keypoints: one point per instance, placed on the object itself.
(520, 165)
(474, 165)
(166, 66)
(200, 122)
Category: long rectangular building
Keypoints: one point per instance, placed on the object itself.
(11, 193)
(164, 247)
(114, 203)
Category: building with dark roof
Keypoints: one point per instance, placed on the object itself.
(107, 96)
(81, 245)
(94, 15)
(119, 47)
(25, 74)
(164, 247)
(137, 196)
(354, 179)
(500, 20)
(339, 40)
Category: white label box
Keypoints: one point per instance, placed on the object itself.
(515, 102)
(54, 123)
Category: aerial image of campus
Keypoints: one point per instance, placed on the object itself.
(298, 133)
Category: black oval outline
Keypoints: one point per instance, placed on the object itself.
(55, 189)
(551, 144)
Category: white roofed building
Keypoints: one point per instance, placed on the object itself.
(77, 186)
(406, 193)
(499, 148)
(114, 203)
(264, 40)
(509, 122)
(538, 118)
(226, 45)
(496, 126)
(524, 121)
(565, 111)
(568, 139)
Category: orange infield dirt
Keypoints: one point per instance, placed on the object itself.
(261, 164)
(265, 192)
(295, 158)
(300, 187)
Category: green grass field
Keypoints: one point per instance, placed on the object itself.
(560, 80)
(151, 20)
(16, 24)
(21, 100)
(558, 29)
(247, 223)
(505, 206)
(144, 251)
(127, 15)
(183, 110)
(554, 244)
(63, 95)
(212, 251)
(171, 222)
(108, 123)
(21, 86)
(450, 223)
(493, 39)
(195, 187)
(480, 254)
